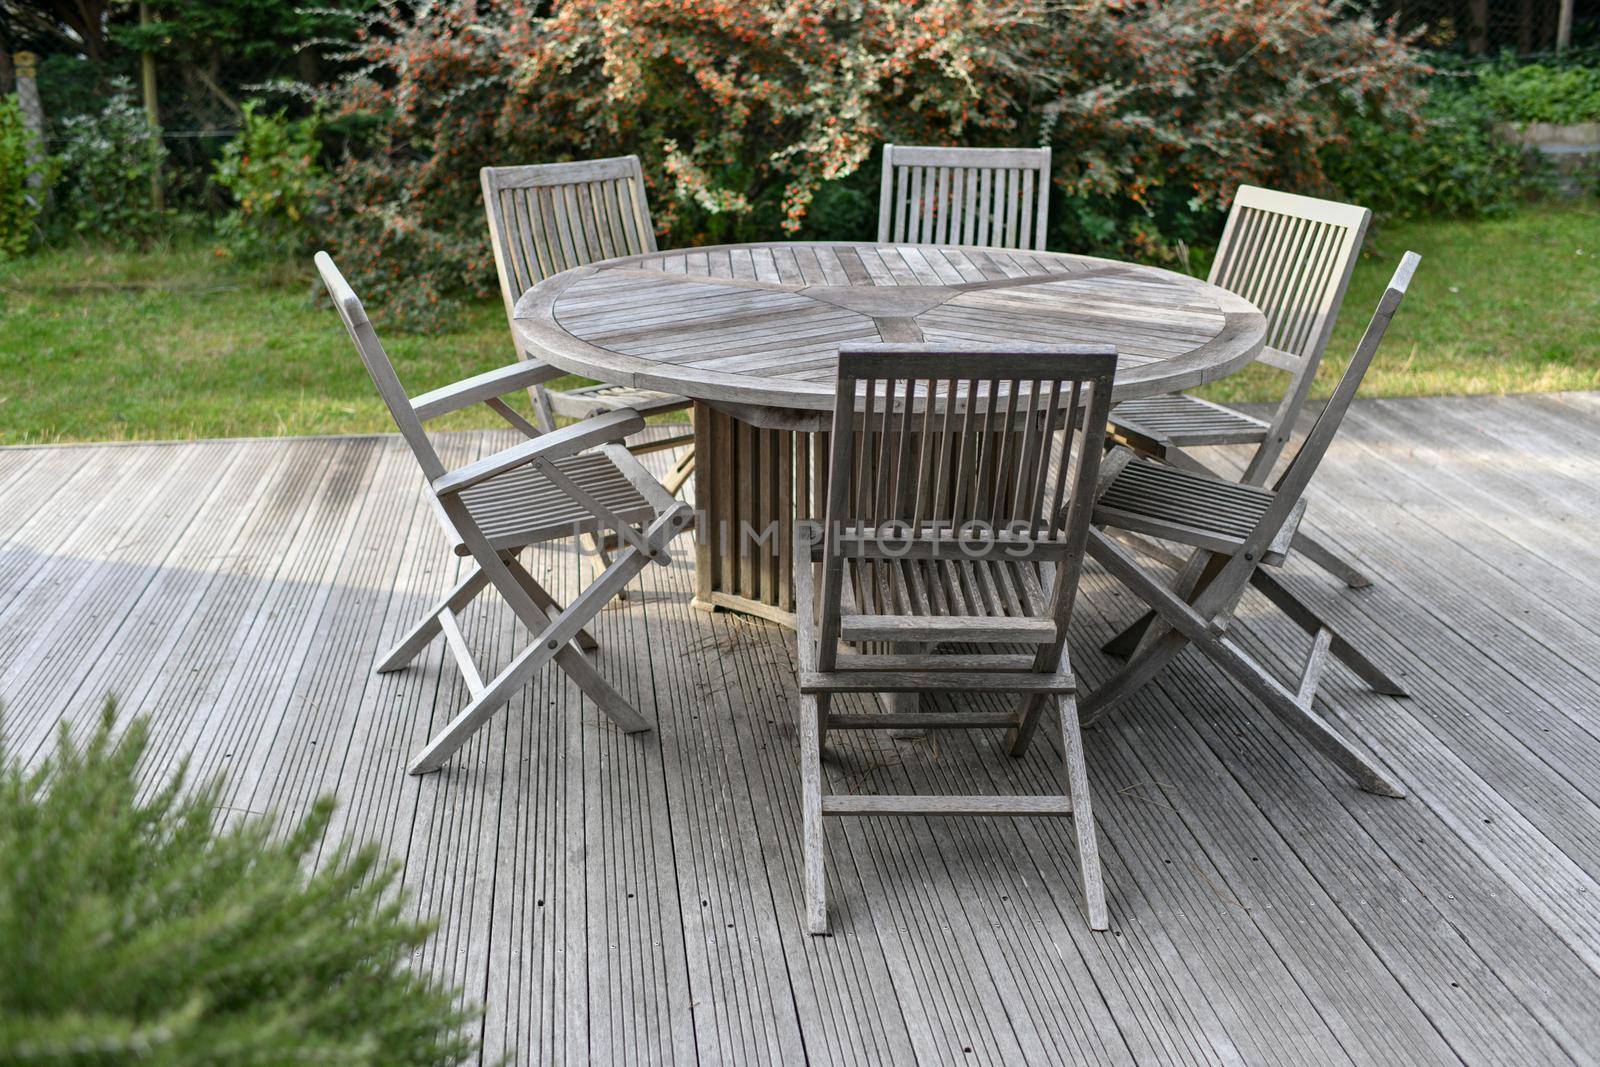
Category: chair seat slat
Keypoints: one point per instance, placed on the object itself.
(910, 682)
(869, 804)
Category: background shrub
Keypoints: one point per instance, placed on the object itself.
(136, 931)
(1161, 110)
(19, 204)
(273, 171)
(1540, 92)
(750, 115)
(1453, 165)
(107, 163)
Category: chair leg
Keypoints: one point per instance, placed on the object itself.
(1020, 736)
(607, 699)
(1297, 711)
(499, 692)
(425, 631)
(906, 703)
(1126, 642)
(1329, 560)
(1309, 621)
(1094, 893)
(680, 471)
(813, 710)
(599, 559)
(1181, 624)
(554, 640)
(1195, 574)
(495, 695)
(1134, 675)
(542, 597)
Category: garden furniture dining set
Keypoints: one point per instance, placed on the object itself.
(905, 450)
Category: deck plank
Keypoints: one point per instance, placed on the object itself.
(1431, 951)
(637, 899)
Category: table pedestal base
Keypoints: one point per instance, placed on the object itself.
(752, 484)
(744, 606)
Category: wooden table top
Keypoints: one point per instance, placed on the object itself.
(760, 324)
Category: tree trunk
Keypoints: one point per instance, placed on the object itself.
(1478, 30)
(152, 108)
(88, 20)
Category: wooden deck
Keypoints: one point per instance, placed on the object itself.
(632, 899)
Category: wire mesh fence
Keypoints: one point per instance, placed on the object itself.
(1490, 27)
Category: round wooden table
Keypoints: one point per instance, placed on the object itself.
(751, 334)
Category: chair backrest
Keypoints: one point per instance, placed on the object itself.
(991, 197)
(1291, 485)
(958, 452)
(378, 366)
(551, 217)
(1291, 256)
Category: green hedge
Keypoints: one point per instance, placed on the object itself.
(1541, 92)
(19, 206)
(1454, 166)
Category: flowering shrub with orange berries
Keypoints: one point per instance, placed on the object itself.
(744, 110)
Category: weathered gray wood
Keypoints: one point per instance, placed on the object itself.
(1266, 911)
(1292, 256)
(482, 387)
(75, 607)
(549, 217)
(877, 804)
(498, 506)
(705, 334)
(928, 442)
(990, 197)
(912, 680)
(1198, 606)
(780, 339)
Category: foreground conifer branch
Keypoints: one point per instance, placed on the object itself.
(142, 930)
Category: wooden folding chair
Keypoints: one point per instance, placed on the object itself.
(990, 197)
(1234, 529)
(1292, 257)
(551, 217)
(949, 518)
(549, 487)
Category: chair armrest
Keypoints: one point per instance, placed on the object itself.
(567, 441)
(483, 386)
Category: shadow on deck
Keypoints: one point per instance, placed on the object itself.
(632, 899)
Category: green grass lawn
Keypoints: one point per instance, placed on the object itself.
(178, 342)
(1509, 305)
